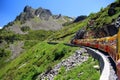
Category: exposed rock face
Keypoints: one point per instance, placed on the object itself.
(37, 19)
(79, 34)
(28, 9)
(44, 14)
(15, 28)
(111, 30)
(111, 10)
(27, 14)
(16, 49)
(57, 16)
(107, 30)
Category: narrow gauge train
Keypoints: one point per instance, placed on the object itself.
(106, 44)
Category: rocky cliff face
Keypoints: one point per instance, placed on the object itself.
(101, 24)
(43, 14)
(37, 19)
(27, 14)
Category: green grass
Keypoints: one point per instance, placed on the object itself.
(4, 55)
(17, 22)
(67, 33)
(30, 43)
(36, 19)
(36, 60)
(84, 71)
(38, 35)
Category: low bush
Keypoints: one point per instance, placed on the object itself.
(25, 28)
(4, 53)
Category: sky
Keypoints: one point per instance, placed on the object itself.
(9, 9)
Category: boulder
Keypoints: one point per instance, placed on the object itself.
(111, 11)
(112, 30)
(80, 34)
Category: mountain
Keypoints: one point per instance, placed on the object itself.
(36, 19)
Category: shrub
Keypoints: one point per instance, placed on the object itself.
(29, 44)
(4, 53)
(59, 54)
(118, 1)
(25, 28)
(38, 35)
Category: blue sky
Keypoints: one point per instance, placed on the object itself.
(9, 9)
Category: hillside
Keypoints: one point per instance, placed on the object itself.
(26, 55)
(96, 25)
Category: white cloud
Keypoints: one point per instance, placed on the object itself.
(0, 27)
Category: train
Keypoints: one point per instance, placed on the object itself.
(106, 44)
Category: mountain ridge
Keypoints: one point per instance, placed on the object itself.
(37, 19)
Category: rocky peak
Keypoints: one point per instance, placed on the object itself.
(29, 13)
(38, 11)
(43, 14)
(57, 16)
(27, 9)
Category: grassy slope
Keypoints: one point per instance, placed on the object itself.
(100, 19)
(80, 72)
(67, 33)
(40, 57)
(36, 60)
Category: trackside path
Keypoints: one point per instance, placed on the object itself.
(108, 72)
